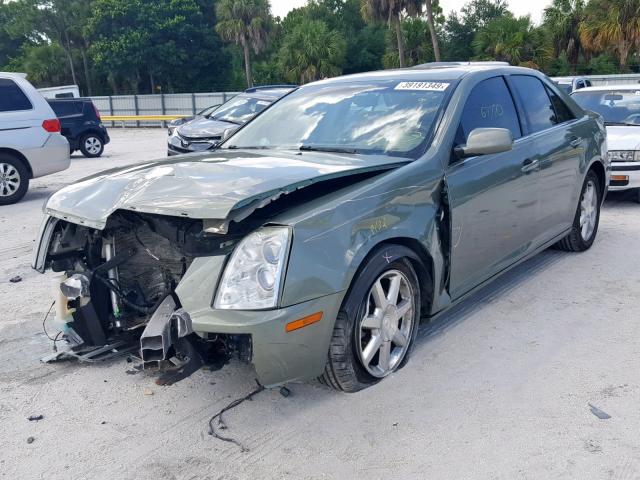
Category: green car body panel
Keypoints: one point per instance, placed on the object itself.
(468, 220)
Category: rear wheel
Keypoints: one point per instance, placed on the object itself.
(91, 145)
(585, 224)
(14, 180)
(377, 323)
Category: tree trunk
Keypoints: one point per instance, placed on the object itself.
(432, 30)
(247, 63)
(400, 41)
(152, 83)
(623, 51)
(87, 74)
(67, 50)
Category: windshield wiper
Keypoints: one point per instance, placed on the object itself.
(226, 120)
(620, 124)
(324, 148)
(250, 147)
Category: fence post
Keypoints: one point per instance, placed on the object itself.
(193, 103)
(135, 106)
(162, 109)
(113, 124)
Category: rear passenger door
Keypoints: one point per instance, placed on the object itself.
(17, 115)
(559, 149)
(493, 198)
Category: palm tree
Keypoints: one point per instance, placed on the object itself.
(563, 19)
(245, 23)
(391, 12)
(612, 24)
(312, 51)
(432, 29)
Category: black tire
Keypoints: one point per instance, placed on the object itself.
(12, 168)
(344, 370)
(91, 145)
(637, 195)
(574, 241)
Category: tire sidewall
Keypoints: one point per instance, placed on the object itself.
(354, 305)
(585, 244)
(84, 150)
(24, 180)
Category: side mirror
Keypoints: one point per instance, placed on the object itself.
(227, 133)
(485, 141)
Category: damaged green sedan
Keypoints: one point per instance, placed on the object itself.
(316, 238)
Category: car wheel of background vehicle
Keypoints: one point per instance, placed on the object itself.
(637, 194)
(91, 146)
(14, 180)
(587, 219)
(377, 323)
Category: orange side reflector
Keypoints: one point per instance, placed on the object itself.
(619, 177)
(303, 322)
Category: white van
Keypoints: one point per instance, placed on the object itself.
(31, 145)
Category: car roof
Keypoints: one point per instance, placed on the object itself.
(434, 72)
(267, 93)
(606, 88)
(13, 75)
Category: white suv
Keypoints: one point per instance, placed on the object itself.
(30, 141)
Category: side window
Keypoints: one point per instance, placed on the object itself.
(11, 97)
(563, 114)
(489, 106)
(538, 110)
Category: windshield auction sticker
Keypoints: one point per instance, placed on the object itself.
(424, 86)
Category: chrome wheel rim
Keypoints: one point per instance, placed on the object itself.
(384, 331)
(588, 210)
(92, 145)
(9, 180)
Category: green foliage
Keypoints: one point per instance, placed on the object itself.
(142, 46)
(311, 52)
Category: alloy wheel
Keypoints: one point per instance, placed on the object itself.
(9, 180)
(385, 329)
(588, 211)
(93, 145)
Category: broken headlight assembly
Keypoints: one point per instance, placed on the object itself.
(252, 277)
(624, 155)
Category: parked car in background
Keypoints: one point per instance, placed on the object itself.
(31, 145)
(619, 105)
(81, 125)
(571, 84)
(173, 124)
(313, 241)
(207, 131)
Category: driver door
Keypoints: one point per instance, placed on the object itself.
(493, 198)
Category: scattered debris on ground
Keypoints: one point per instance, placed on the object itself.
(147, 391)
(15, 279)
(599, 413)
(223, 426)
(30, 439)
(35, 418)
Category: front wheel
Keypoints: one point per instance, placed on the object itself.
(377, 323)
(585, 224)
(91, 146)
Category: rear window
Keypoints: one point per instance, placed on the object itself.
(66, 109)
(11, 97)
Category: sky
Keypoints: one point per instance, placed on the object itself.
(534, 8)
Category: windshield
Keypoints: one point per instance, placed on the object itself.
(618, 107)
(240, 109)
(383, 116)
(208, 111)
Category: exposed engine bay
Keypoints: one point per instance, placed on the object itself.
(115, 289)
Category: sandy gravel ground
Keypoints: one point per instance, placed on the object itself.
(498, 389)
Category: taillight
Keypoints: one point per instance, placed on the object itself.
(95, 109)
(52, 126)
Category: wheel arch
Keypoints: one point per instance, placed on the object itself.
(420, 260)
(18, 156)
(598, 168)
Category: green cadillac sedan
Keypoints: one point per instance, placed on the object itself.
(317, 237)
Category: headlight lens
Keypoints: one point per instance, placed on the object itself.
(251, 279)
(624, 155)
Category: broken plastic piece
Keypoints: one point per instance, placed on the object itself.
(285, 392)
(599, 413)
(76, 286)
(35, 418)
(16, 279)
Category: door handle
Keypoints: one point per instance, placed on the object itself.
(575, 142)
(529, 165)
